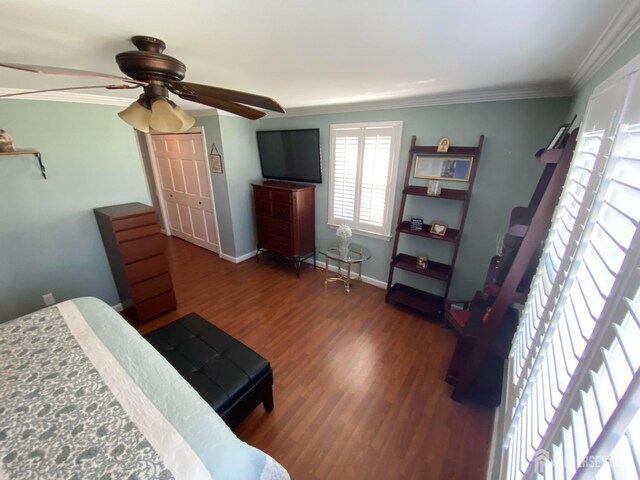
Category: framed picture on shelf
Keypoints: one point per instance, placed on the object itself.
(416, 224)
(439, 228)
(443, 167)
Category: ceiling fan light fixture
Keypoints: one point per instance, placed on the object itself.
(137, 116)
(187, 120)
(163, 117)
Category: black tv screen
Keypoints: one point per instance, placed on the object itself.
(290, 154)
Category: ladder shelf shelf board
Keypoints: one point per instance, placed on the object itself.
(440, 271)
(419, 300)
(446, 193)
(428, 303)
(451, 234)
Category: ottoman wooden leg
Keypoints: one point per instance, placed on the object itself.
(268, 400)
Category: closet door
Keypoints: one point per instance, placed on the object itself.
(184, 188)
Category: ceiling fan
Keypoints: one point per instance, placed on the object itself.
(158, 74)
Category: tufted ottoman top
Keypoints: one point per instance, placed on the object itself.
(219, 367)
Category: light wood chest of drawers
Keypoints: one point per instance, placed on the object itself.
(135, 249)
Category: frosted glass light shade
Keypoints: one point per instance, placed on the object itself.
(187, 120)
(137, 116)
(163, 118)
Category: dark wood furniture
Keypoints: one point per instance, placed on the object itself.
(228, 375)
(476, 367)
(428, 303)
(135, 249)
(285, 220)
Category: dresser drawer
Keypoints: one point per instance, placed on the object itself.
(138, 232)
(277, 244)
(274, 226)
(147, 268)
(141, 248)
(281, 211)
(282, 197)
(134, 221)
(151, 287)
(155, 306)
(261, 194)
(264, 209)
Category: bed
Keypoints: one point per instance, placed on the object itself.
(83, 395)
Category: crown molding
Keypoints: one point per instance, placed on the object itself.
(452, 98)
(472, 96)
(624, 24)
(67, 97)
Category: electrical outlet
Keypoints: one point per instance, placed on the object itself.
(48, 299)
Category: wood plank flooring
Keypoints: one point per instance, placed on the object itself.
(359, 390)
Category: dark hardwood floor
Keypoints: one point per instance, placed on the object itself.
(359, 385)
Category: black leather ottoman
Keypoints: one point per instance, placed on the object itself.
(227, 374)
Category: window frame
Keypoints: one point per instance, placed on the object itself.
(384, 232)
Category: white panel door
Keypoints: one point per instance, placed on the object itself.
(183, 174)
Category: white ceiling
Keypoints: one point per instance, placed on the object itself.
(319, 53)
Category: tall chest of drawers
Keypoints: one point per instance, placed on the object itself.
(285, 219)
(135, 249)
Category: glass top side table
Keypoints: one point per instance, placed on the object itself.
(353, 254)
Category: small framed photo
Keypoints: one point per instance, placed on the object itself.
(443, 167)
(434, 188)
(422, 262)
(556, 141)
(416, 224)
(443, 145)
(215, 161)
(439, 228)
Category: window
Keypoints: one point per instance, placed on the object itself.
(362, 175)
(573, 378)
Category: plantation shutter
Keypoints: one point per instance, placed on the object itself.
(364, 161)
(572, 391)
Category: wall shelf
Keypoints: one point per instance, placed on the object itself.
(35, 153)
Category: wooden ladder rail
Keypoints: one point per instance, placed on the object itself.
(537, 232)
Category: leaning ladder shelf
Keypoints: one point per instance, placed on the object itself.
(422, 301)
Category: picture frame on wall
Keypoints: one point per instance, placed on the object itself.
(215, 162)
(455, 168)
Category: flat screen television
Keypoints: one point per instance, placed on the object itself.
(290, 154)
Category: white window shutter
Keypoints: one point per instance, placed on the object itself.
(573, 389)
(362, 172)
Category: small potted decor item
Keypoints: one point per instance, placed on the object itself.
(421, 262)
(439, 228)
(416, 224)
(6, 144)
(344, 234)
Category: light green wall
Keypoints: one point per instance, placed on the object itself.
(211, 125)
(507, 175)
(630, 49)
(243, 168)
(49, 240)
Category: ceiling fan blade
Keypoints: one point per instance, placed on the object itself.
(208, 91)
(108, 87)
(232, 107)
(66, 71)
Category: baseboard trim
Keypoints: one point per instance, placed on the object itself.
(332, 268)
(239, 259)
(118, 307)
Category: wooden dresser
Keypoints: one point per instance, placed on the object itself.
(135, 249)
(285, 219)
